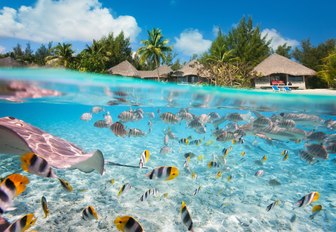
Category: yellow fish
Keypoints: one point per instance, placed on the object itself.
(112, 181)
(285, 157)
(165, 195)
(209, 142)
(200, 157)
(315, 210)
(264, 158)
(219, 174)
(167, 172)
(233, 141)
(89, 213)
(229, 178)
(66, 185)
(243, 153)
(23, 224)
(284, 152)
(45, 206)
(193, 175)
(127, 224)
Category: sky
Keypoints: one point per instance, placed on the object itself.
(189, 25)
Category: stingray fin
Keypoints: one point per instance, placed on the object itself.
(95, 161)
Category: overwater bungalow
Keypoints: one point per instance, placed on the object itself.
(281, 71)
(192, 72)
(125, 68)
(9, 62)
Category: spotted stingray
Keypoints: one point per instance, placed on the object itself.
(18, 137)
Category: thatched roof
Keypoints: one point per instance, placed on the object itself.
(125, 68)
(280, 64)
(9, 62)
(193, 68)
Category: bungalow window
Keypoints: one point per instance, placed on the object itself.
(295, 78)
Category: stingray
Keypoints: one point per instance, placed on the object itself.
(18, 137)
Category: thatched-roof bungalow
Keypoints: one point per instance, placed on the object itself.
(192, 72)
(125, 68)
(279, 70)
(9, 62)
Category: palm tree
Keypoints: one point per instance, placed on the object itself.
(328, 69)
(154, 49)
(63, 55)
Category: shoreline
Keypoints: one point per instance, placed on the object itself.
(323, 92)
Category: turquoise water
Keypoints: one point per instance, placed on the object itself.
(220, 205)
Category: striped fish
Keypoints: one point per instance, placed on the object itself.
(186, 218)
(101, 124)
(125, 188)
(169, 118)
(306, 200)
(22, 224)
(86, 117)
(197, 190)
(108, 119)
(164, 172)
(271, 206)
(148, 193)
(118, 129)
(127, 224)
(4, 224)
(96, 109)
(144, 158)
(286, 123)
(284, 152)
(259, 173)
(12, 186)
(126, 116)
(34, 164)
(213, 164)
(89, 213)
(136, 132)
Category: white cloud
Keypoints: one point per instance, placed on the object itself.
(192, 42)
(215, 30)
(50, 20)
(277, 39)
(2, 49)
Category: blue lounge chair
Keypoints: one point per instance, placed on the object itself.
(275, 88)
(287, 89)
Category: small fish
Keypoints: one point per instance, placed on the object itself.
(293, 218)
(126, 116)
(166, 139)
(189, 155)
(259, 173)
(101, 124)
(243, 153)
(264, 159)
(169, 118)
(118, 129)
(196, 190)
(209, 142)
(196, 142)
(136, 132)
(200, 157)
(34, 164)
(315, 210)
(144, 158)
(165, 195)
(271, 206)
(12, 186)
(285, 157)
(96, 109)
(185, 216)
(45, 206)
(125, 188)
(226, 151)
(127, 224)
(22, 224)
(89, 213)
(306, 200)
(284, 152)
(184, 141)
(164, 172)
(66, 185)
(148, 193)
(229, 178)
(193, 175)
(219, 174)
(165, 150)
(213, 164)
(86, 117)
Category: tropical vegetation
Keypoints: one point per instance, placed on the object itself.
(228, 61)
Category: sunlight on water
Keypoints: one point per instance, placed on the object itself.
(254, 127)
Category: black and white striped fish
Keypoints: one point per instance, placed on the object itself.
(136, 132)
(101, 124)
(306, 200)
(169, 117)
(127, 224)
(126, 116)
(186, 218)
(32, 163)
(271, 206)
(144, 158)
(89, 213)
(153, 192)
(118, 129)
